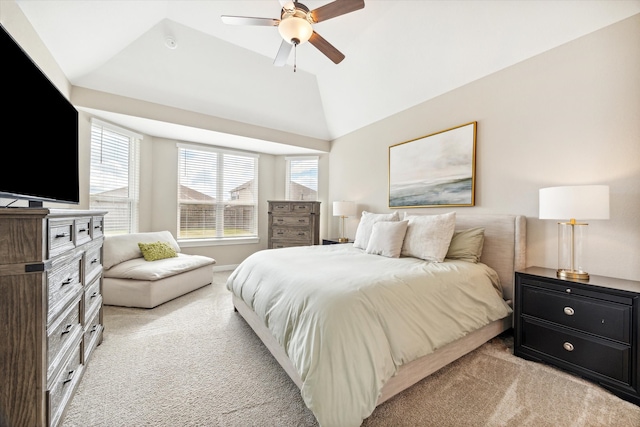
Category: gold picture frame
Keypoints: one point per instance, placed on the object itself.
(436, 170)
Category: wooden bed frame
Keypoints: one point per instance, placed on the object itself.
(503, 250)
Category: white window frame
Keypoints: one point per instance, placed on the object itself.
(220, 194)
(132, 198)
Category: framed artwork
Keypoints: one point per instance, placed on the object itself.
(435, 170)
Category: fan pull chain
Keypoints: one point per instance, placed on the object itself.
(295, 49)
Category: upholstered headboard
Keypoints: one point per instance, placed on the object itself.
(504, 249)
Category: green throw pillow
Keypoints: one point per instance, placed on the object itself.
(466, 245)
(156, 251)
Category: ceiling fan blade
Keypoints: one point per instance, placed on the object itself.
(247, 20)
(336, 8)
(283, 54)
(325, 47)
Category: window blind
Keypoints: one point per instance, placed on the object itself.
(114, 176)
(217, 193)
(302, 178)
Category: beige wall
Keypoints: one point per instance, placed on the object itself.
(568, 116)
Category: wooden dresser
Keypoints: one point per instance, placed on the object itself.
(293, 224)
(50, 309)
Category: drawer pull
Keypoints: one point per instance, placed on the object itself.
(96, 227)
(69, 377)
(93, 261)
(569, 311)
(568, 290)
(66, 282)
(94, 328)
(301, 220)
(279, 233)
(82, 230)
(93, 295)
(300, 234)
(59, 236)
(67, 329)
(568, 346)
(280, 220)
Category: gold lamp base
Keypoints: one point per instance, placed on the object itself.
(343, 239)
(573, 274)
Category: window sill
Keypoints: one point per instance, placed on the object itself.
(192, 243)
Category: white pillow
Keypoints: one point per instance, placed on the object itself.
(366, 227)
(428, 236)
(386, 238)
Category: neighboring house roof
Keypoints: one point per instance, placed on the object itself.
(186, 193)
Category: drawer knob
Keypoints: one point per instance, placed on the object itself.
(569, 311)
(568, 346)
(568, 290)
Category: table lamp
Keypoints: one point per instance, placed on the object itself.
(583, 202)
(343, 210)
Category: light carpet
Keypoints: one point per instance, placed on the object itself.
(194, 362)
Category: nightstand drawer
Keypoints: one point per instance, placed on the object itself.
(607, 319)
(602, 357)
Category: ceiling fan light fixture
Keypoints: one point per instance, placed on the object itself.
(295, 30)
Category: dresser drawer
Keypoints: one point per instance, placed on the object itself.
(96, 227)
(600, 317)
(603, 357)
(92, 332)
(60, 390)
(92, 297)
(280, 207)
(60, 236)
(92, 261)
(302, 235)
(63, 281)
(83, 230)
(287, 244)
(291, 220)
(302, 208)
(62, 334)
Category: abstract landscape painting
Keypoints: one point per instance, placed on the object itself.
(435, 170)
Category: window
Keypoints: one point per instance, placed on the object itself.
(217, 193)
(114, 176)
(302, 178)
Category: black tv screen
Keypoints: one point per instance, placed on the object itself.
(40, 127)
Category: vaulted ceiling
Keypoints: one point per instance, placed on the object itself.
(398, 54)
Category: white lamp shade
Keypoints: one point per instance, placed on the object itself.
(580, 202)
(344, 208)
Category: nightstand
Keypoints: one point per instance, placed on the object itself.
(590, 328)
(334, 241)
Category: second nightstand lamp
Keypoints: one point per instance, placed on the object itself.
(343, 210)
(570, 203)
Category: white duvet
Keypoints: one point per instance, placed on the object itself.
(348, 320)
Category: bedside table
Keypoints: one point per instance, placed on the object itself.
(590, 328)
(334, 241)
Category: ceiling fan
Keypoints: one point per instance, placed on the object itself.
(296, 26)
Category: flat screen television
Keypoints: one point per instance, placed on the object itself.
(39, 153)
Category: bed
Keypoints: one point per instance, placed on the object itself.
(353, 328)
